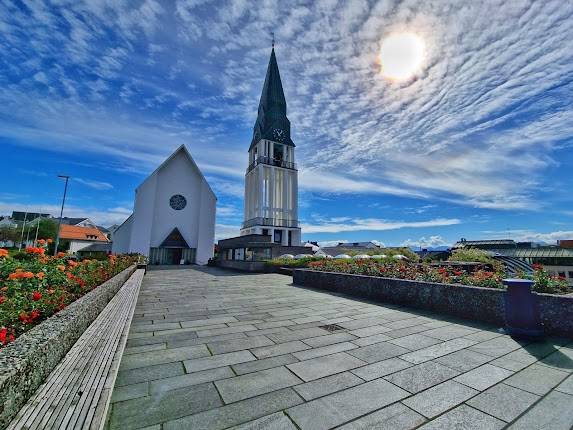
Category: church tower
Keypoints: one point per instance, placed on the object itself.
(271, 181)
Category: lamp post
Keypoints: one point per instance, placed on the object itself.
(61, 212)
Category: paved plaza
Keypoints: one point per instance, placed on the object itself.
(213, 349)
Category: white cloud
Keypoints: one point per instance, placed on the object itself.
(225, 231)
(531, 236)
(373, 224)
(479, 125)
(423, 242)
(96, 185)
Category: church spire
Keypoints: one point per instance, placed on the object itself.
(272, 112)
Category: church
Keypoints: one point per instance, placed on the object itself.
(173, 219)
(271, 180)
(270, 223)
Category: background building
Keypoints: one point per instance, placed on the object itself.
(556, 259)
(173, 219)
(81, 237)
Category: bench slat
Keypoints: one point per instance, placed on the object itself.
(72, 394)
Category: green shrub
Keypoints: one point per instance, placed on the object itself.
(471, 255)
(291, 262)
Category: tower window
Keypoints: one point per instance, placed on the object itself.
(278, 151)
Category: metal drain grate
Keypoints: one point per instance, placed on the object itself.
(331, 327)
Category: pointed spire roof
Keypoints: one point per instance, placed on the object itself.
(272, 112)
(273, 97)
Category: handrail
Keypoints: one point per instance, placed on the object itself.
(271, 162)
(276, 222)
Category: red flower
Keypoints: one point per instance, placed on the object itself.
(23, 317)
(537, 267)
(458, 273)
(2, 299)
(36, 296)
(3, 335)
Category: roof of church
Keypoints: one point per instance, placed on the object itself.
(272, 111)
(183, 149)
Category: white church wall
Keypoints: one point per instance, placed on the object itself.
(122, 237)
(154, 219)
(206, 227)
(143, 210)
(180, 176)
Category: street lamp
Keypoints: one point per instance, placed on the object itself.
(61, 212)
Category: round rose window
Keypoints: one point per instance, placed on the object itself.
(177, 202)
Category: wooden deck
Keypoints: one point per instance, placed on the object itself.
(77, 393)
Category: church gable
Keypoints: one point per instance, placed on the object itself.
(183, 152)
(174, 240)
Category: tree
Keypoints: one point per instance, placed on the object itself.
(48, 229)
(9, 234)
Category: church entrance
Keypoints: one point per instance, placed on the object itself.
(167, 256)
(173, 250)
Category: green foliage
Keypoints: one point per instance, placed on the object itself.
(34, 286)
(391, 268)
(291, 262)
(547, 283)
(48, 229)
(474, 255)
(389, 252)
(9, 234)
(471, 255)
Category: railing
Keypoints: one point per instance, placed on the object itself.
(274, 222)
(271, 162)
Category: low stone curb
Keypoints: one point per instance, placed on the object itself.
(26, 363)
(474, 303)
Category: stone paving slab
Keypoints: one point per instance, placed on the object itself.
(503, 402)
(250, 351)
(255, 384)
(341, 407)
(394, 417)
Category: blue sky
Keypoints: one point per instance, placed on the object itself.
(478, 144)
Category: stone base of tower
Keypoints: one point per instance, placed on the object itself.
(285, 236)
(251, 252)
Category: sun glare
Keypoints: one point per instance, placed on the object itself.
(401, 56)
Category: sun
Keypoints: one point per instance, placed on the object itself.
(401, 56)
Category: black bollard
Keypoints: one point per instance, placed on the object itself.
(522, 310)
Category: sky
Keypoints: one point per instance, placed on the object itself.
(477, 144)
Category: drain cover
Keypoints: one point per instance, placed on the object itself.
(331, 327)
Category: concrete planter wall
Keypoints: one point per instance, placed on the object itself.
(25, 364)
(480, 304)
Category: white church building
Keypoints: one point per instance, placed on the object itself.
(173, 219)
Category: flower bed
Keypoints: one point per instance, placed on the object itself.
(35, 286)
(481, 277)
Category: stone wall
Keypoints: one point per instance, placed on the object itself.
(25, 364)
(245, 266)
(480, 304)
(556, 314)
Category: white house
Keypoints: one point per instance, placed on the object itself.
(81, 237)
(173, 219)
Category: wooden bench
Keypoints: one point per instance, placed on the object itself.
(76, 394)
